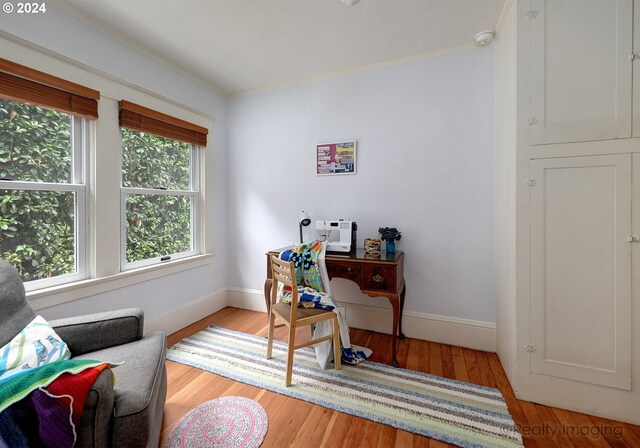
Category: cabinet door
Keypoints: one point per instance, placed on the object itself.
(581, 269)
(636, 69)
(580, 70)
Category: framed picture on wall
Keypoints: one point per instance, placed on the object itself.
(336, 158)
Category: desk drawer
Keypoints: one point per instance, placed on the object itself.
(350, 271)
(381, 278)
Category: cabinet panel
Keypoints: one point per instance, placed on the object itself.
(636, 69)
(581, 269)
(580, 70)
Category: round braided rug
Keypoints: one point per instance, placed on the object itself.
(224, 422)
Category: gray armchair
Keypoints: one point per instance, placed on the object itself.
(127, 414)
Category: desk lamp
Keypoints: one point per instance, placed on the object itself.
(304, 220)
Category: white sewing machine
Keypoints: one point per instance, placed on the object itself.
(340, 235)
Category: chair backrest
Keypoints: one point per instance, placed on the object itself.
(15, 311)
(284, 272)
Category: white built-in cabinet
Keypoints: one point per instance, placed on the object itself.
(568, 203)
(582, 59)
(636, 71)
(581, 269)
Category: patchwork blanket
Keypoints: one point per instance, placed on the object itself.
(314, 292)
(42, 406)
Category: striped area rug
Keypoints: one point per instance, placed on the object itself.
(452, 411)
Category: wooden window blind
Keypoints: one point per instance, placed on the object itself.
(140, 118)
(20, 83)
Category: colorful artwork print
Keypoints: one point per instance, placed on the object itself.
(336, 158)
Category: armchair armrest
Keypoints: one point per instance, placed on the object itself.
(97, 415)
(84, 334)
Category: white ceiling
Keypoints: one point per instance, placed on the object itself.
(241, 45)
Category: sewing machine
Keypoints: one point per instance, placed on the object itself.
(340, 235)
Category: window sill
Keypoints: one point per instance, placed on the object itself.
(56, 295)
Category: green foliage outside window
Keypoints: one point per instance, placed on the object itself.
(37, 227)
(157, 225)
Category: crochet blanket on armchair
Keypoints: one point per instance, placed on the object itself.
(314, 292)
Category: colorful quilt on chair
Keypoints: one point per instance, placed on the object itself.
(314, 292)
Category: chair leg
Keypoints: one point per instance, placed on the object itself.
(290, 350)
(337, 349)
(272, 320)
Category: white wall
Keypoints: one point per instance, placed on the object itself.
(425, 165)
(62, 34)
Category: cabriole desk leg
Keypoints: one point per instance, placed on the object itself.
(395, 304)
(402, 294)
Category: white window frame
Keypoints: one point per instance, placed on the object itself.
(80, 132)
(193, 193)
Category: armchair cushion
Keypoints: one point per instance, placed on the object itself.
(85, 334)
(139, 391)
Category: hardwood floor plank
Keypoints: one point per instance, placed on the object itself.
(403, 351)
(584, 423)
(387, 437)
(413, 354)
(312, 430)
(438, 444)
(374, 344)
(384, 348)
(610, 431)
(529, 423)
(459, 365)
(424, 358)
(570, 427)
(631, 434)
(342, 425)
(435, 359)
(354, 434)
(552, 427)
(329, 430)
(485, 369)
(421, 442)
(404, 439)
(473, 370)
(448, 370)
(370, 434)
(289, 414)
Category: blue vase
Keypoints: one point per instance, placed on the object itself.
(391, 246)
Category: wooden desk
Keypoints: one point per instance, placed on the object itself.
(379, 277)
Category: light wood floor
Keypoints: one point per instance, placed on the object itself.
(297, 423)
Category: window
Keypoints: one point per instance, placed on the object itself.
(43, 196)
(160, 192)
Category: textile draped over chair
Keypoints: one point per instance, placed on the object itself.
(127, 413)
(314, 292)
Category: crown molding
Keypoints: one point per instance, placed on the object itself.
(353, 70)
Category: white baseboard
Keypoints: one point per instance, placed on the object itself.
(248, 299)
(468, 333)
(193, 312)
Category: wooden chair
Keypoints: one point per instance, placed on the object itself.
(294, 317)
